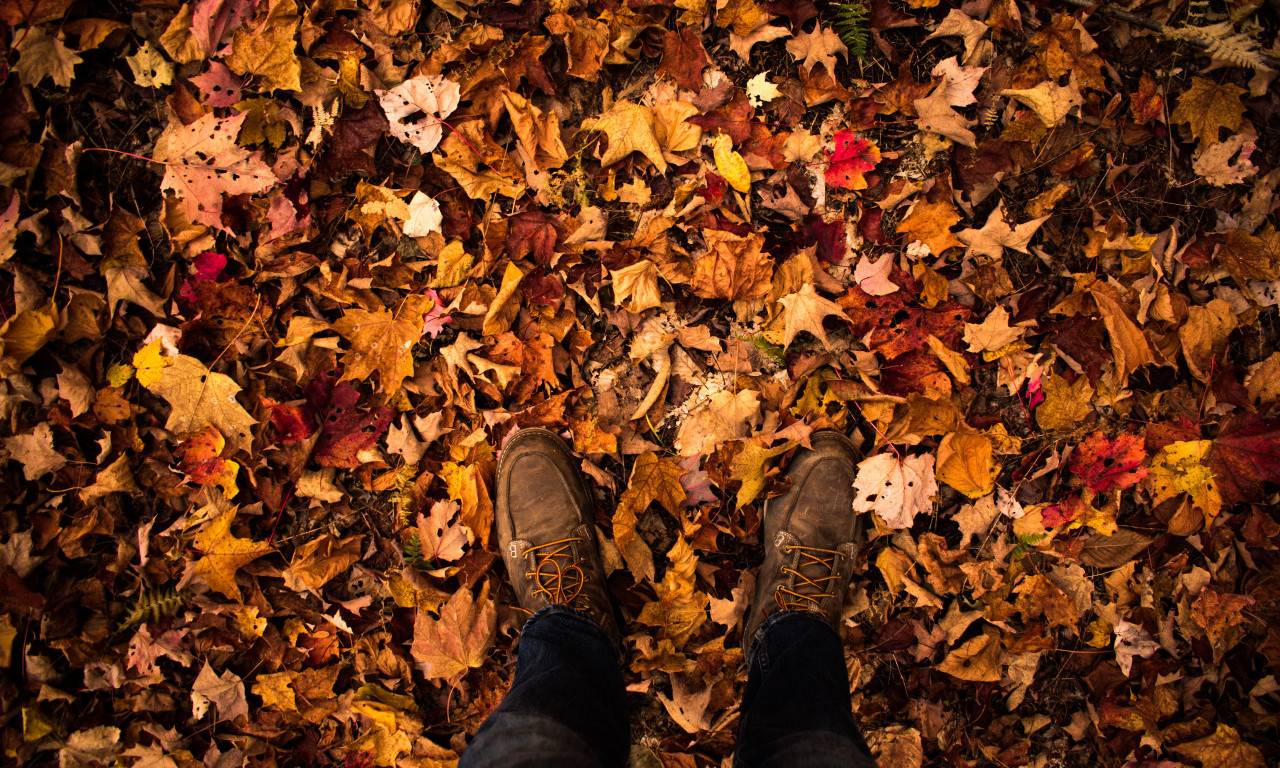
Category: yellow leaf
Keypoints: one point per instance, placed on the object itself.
(1179, 468)
(26, 332)
(267, 49)
(964, 463)
(730, 164)
(197, 396)
(274, 690)
(652, 479)
(505, 306)
(977, 660)
(630, 129)
(680, 609)
(804, 311)
(1065, 405)
(445, 648)
(1207, 107)
(382, 341)
(224, 554)
(637, 286)
(748, 466)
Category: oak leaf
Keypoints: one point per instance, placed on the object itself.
(459, 640)
(652, 479)
(224, 554)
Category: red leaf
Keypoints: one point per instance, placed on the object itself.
(683, 57)
(852, 158)
(1106, 465)
(1244, 455)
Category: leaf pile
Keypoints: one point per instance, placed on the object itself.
(280, 276)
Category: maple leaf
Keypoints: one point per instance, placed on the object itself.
(203, 163)
(852, 157)
(441, 538)
(931, 223)
(993, 334)
(197, 396)
(680, 609)
(959, 24)
(221, 87)
(1209, 107)
(225, 691)
(630, 129)
(267, 49)
(42, 55)
(1179, 468)
(722, 417)
(459, 640)
(652, 479)
(805, 310)
(432, 97)
(1106, 465)
(34, 451)
(467, 485)
(936, 115)
(895, 487)
(319, 560)
(683, 57)
(1244, 455)
(1222, 749)
(817, 48)
(965, 463)
(996, 234)
(748, 467)
(1051, 102)
(224, 554)
(733, 267)
(382, 341)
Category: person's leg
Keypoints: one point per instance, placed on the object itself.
(566, 706)
(796, 710)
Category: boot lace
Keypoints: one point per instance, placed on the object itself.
(556, 574)
(809, 591)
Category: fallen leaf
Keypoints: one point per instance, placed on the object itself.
(197, 396)
(804, 311)
(652, 479)
(34, 451)
(416, 109)
(630, 129)
(445, 648)
(895, 487)
(225, 691)
(1222, 749)
(224, 554)
(732, 268)
(977, 660)
(1208, 107)
(996, 235)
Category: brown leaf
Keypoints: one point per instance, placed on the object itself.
(459, 640)
(683, 57)
(977, 660)
(1107, 552)
(733, 267)
(226, 691)
(317, 561)
(652, 479)
(1208, 107)
(1222, 749)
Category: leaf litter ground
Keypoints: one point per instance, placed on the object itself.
(1027, 253)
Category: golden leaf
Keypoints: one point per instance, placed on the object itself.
(730, 164)
(652, 479)
(445, 648)
(196, 395)
(224, 554)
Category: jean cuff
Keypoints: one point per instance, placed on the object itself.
(756, 645)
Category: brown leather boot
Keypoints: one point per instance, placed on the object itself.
(811, 535)
(546, 529)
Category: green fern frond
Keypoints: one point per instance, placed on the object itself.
(851, 25)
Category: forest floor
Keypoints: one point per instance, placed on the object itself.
(278, 277)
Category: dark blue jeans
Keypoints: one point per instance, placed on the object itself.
(567, 704)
